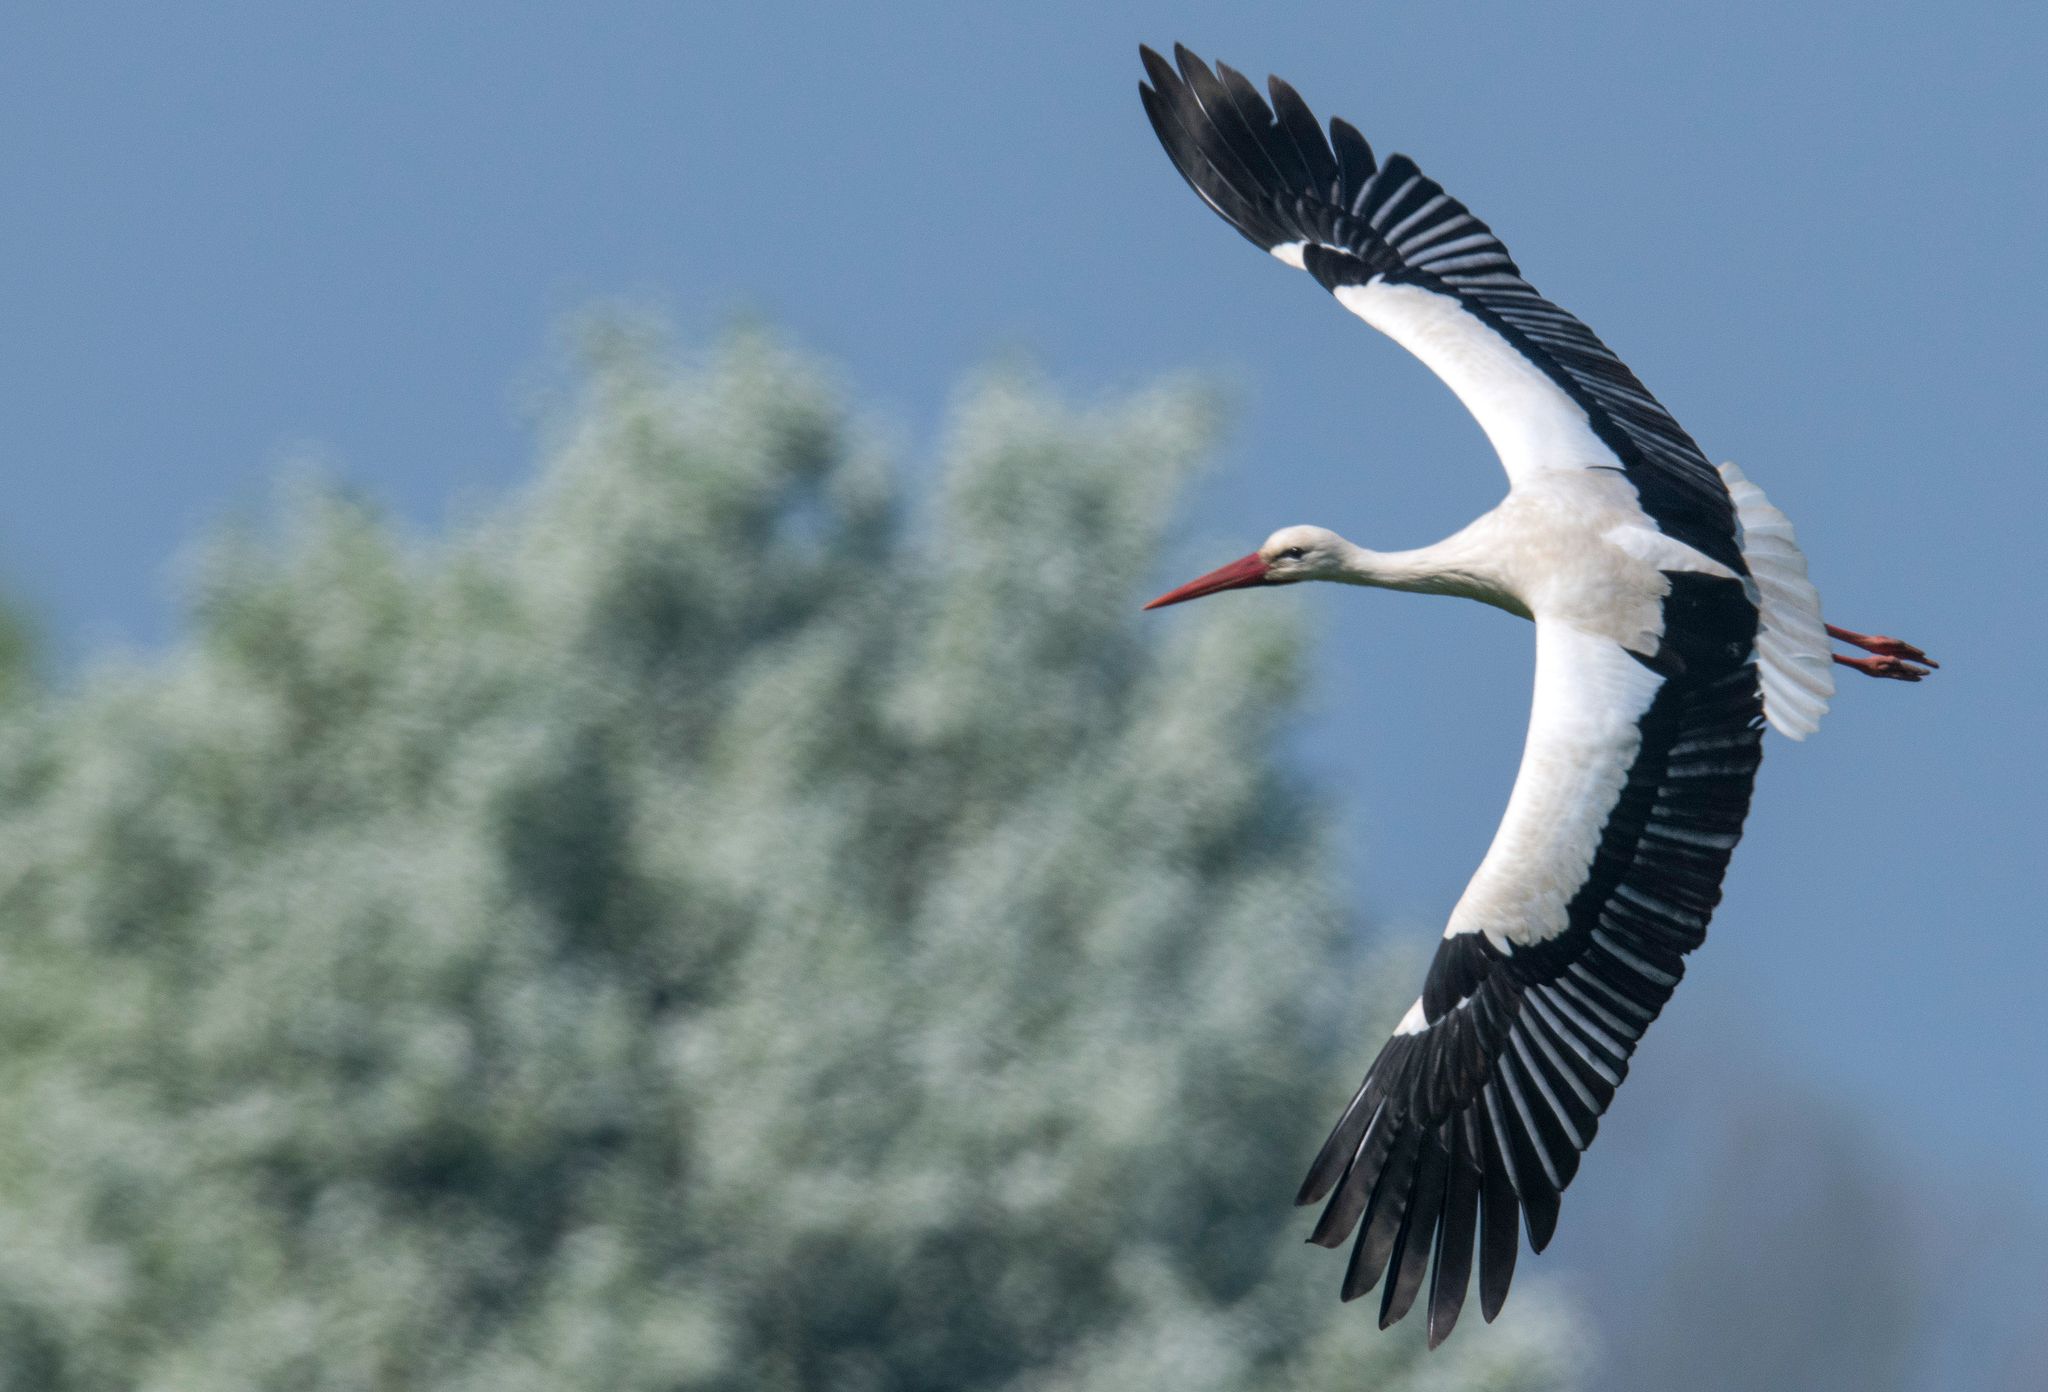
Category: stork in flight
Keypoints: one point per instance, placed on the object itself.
(1673, 620)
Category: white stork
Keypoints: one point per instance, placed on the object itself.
(1673, 619)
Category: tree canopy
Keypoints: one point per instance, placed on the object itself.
(708, 924)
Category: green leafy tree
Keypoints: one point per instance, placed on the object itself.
(701, 927)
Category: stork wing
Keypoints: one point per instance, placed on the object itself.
(1406, 257)
(1631, 795)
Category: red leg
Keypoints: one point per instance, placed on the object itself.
(1884, 665)
(1879, 644)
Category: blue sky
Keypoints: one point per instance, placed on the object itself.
(242, 233)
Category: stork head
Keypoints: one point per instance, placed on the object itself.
(1290, 554)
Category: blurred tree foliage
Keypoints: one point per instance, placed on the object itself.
(697, 928)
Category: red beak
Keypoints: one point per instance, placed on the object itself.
(1235, 576)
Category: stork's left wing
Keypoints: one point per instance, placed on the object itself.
(1631, 796)
(1410, 260)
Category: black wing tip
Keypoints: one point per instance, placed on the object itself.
(1282, 91)
(1422, 1212)
(1184, 65)
(1337, 123)
(1322, 1175)
(1409, 1262)
(1249, 163)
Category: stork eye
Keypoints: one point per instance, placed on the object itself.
(1293, 553)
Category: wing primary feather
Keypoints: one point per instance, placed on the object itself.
(1340, 1150)
(1500, 1238)
(1355, 161)
(1191, 157)
(1361, 1177)
(1279, 146)
(1382, 1222)
(1202, 154)
(1409, 1261)
(1455, 1232)
(1250, 167)
(1299, 123)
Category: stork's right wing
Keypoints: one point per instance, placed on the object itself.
(1410, 260)
(1631, 796)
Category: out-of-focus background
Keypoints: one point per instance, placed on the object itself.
(584, 802)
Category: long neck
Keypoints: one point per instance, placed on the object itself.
(1453, 566)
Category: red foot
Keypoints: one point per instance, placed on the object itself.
(1894, 658)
